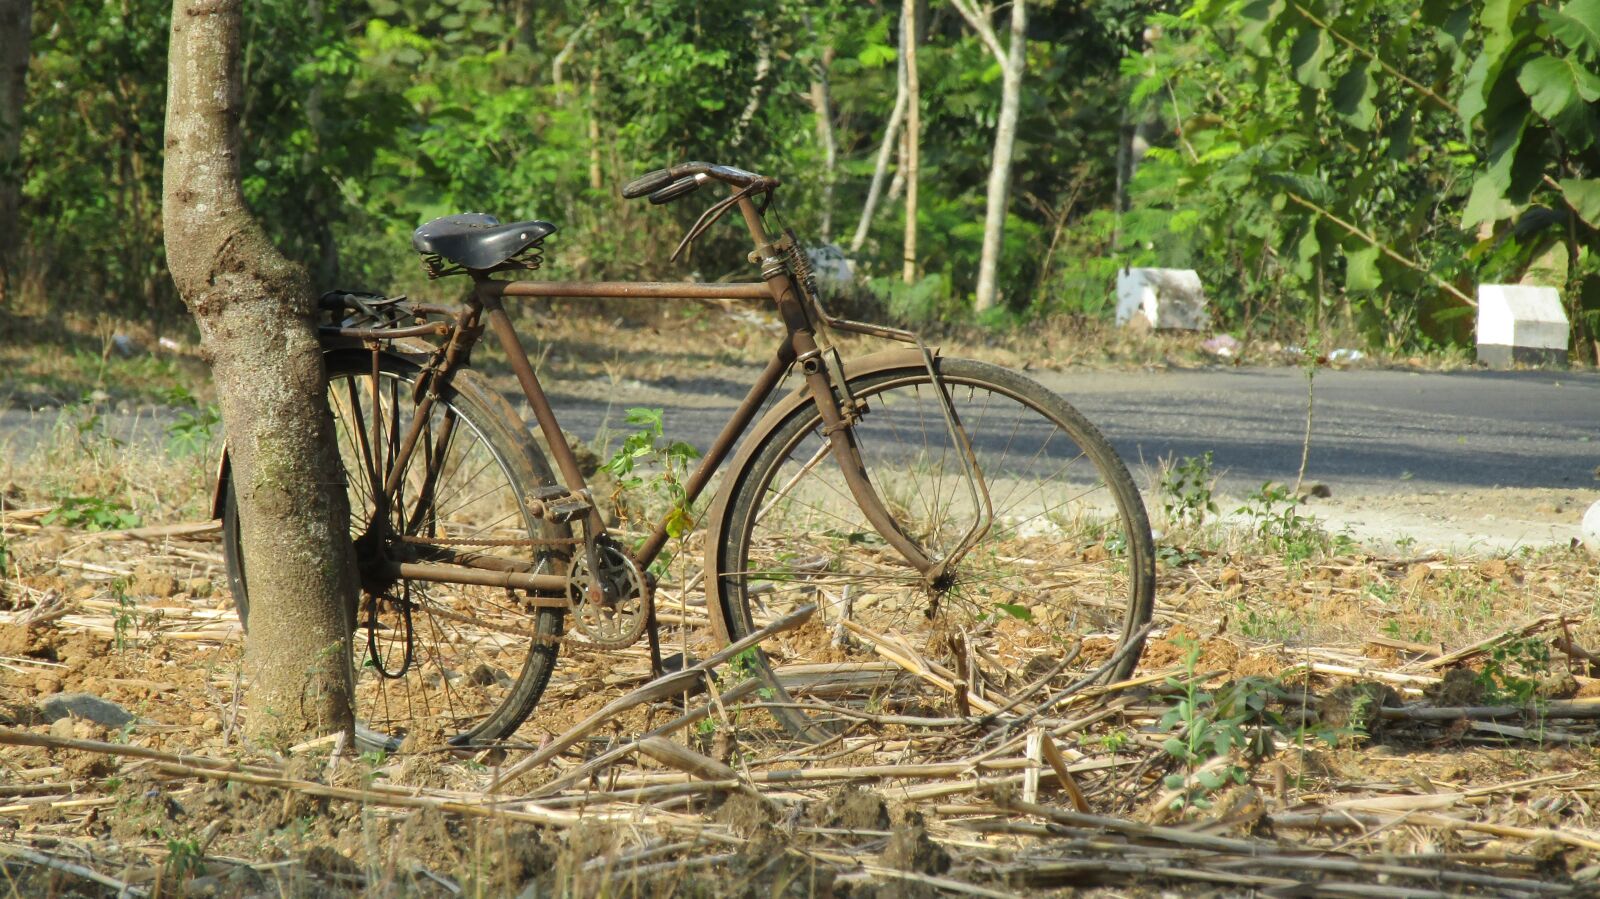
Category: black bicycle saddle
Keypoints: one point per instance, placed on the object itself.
(475, 240)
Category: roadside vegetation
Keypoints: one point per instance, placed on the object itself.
(1348, 171)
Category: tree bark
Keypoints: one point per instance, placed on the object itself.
(16, 30)
(891, 135)
(254, 309)
(1013, 62)
(822, 103)
(908, 44)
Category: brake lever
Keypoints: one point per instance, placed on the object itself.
(713, 213)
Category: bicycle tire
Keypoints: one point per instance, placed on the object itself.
(775, 564)
(491, 704)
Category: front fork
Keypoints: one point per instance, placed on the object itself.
(840, 411)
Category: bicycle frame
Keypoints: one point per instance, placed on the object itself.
(804, 320)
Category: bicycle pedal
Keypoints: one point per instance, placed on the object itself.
(567, 510)
(556, 504)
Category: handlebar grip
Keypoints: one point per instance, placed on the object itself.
(646, 183)
(685, 185)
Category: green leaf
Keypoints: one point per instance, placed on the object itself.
(1211, 780)
(1583, 195)
(875, 56)
(1352, 97)
(1498, 23)
(1560, 90)
(1487, 201)
(1258, 17)
(1361, 270)
(1472, 100)
(1577, 25)
(1309, 56)
(1021, 613)
(1306, 251)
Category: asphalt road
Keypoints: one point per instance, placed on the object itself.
(1374, 432)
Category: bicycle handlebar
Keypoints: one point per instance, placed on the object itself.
(659, 181)
(676, 189)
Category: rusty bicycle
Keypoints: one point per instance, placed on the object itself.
(941, 508)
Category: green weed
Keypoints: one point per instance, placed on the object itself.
(1276, 521)
(195, 429)
(91, 513)
(1513, 670)
(1232, 726)
(649, 445)
(1186, 490)
(125, 620)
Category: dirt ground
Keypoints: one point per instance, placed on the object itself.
(1365, 760)
(1338, 706)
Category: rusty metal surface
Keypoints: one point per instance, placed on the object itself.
(648, 290)
(786, 283)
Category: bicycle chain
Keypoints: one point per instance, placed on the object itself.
(495, 541)
(636, 627)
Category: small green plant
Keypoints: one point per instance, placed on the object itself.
(1206, 727)
(91, 513)
(1275, 519)
(185, 857)
(1513, 670)
(1186, 490)
(649, 445)
(194, 430)
(126, 620)
(1174, 557)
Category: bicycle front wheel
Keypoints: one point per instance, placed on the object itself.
(1068, 553)
(453, 662)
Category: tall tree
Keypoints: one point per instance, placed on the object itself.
(255, 312)
(16, 29)
(1013, 60)
(822, 102)
(913, 137)
(880, 172)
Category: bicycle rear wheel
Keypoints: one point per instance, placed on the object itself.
(463, 663)
(1069, 553)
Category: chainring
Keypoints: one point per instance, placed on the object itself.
(620, 622)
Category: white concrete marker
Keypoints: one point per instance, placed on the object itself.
(1163, 297)
(1519, 324)
(1591, 528)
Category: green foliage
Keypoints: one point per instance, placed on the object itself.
(194, 431)
(1321, 164)
(91, 513)
(1275, 520)
(1513, 669)
(649, 446)
(1487, 107)
(1186, 487)
(1208, 727)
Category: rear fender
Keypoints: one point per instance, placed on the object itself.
(410, 350)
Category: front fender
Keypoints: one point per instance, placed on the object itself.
(864, 366)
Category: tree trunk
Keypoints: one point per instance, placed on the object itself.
(16, 28)
(891, 136)
(822, 102)
(522, 18)
(1013, 62)
(908, 44)
(254, 309)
